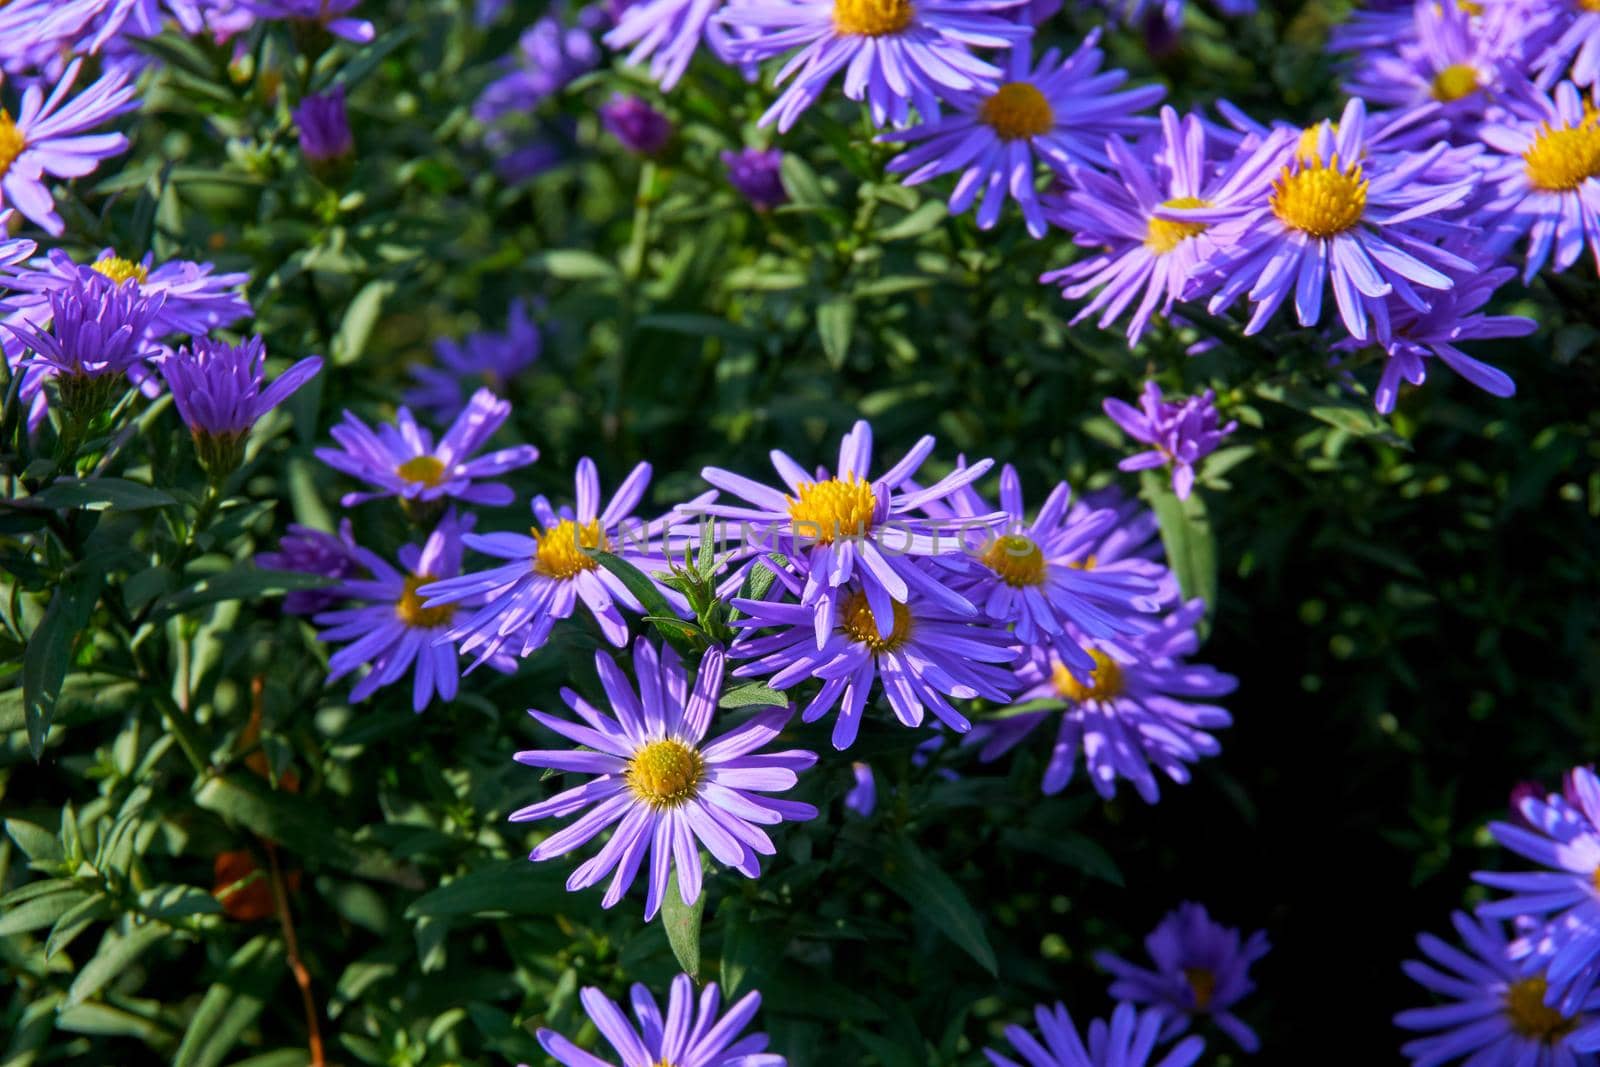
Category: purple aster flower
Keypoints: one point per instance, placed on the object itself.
(1131, 544)
(667, 33)
(391, 631)
(843, 526)
(1201, 968)
(1564, 839)
(1574, 50)
(1131, 715)
(193, 300)
(217, 388)
(1325, 219)
(1545, 178)
(324, 128)
(1454, 316)
(550, 54)
(330, 15)
(1140, 254)
(757, 175)
(48, 138)
(1182, 434)
(863, 796)
(1128, 1040)
(1033, 575)
(97, 335)
(896, 55)
(12, 249)
(680, 1039)
(1058, 112)
(640, 128)
(927, 654)
(403, 461)
(495, 359)
(666, 790)
(1493, 1014)
(550, 571)
(309, 551)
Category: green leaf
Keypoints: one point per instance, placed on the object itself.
(49, 653)
(298, 823)
(1186, 535)
(749, 948)
(510, 887)
(682, 924)
(647, 593)
(29, 890)
(171, 902)
(924, 218)
(752, 695)
(359, 319)
(97, 494)
(117, 952)
(39, 912)
(575, 265)
(232, 1003)
(243, 583)
(1335, 409)
(37, 843)
(836, 319)
(933, 895)
(1072, 849)
(800, 181)
(75, 921)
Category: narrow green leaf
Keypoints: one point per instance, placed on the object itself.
(1072, 849)
(117, 952)
(836, 319)
(510, 887)
(926, 217)
(97, 494)
(1186, 535)
(933, 895)
(39, 912)
(800, 181)
(752, 695)
(575, 265)
(298, 823)
(236, 584)
(171, 902)
(231, 1004)
(29, 890)
(682, 924)
(647, 593)
(36, 842)
(49, 653)
(359, 319)
(76, 920)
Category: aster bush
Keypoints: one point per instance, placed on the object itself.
(1001, 531)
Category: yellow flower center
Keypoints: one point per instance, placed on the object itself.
(872, 18)
(856, 620)
(1016, 559)
(665, 773)
(424, 470)
(826, 511)
(1087, 563)
(410, 611)
(120, 270)
(1472, 7)
(1164, 235)
(567, 549)
(12, 141)
(1563, 158)
(1104, 683)
(1203, 983)
(1320, 198)
(1587, 5)
(1017, 111)
(1454, 82)
(1531, 1017)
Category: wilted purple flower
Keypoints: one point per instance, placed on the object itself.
(391, 631)
(639, 127)
(331, 15)
(217, 388)
(668, 791)
(1202, 968)
(1493, 1013)
(679, 1039)
(403, 461)
(98, 333)
(757, 175)
(896, 54)
(309, 551)
(1058, 112)
(494, 359)
(324, 127)
(1129, 1040)
(1183, 433)
(48, 138)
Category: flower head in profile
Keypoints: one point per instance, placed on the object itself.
(656, 779)
(555, 566)
(1493, 1012)
(687, 1036)
(1563, 948)
(757, 175)
(403, 461)
(928, 655)
(98, 333)
(486, 357)
(49, 138)
(637, 126)
(324, 128)
(1129, 1039)
(1181, 434)
(896, 54)
(388, 628)
(1202, 968)
(1545, 178)
(1141, 710)
(848, 526)
(218, 390)
(1058, 112)
(308, 551)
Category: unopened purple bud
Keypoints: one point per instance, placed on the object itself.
(324, 127)
(641, 128)
(756, 174)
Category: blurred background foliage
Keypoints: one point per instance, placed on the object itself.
(1410, 604)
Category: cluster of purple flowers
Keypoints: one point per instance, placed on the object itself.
(1531, 995)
